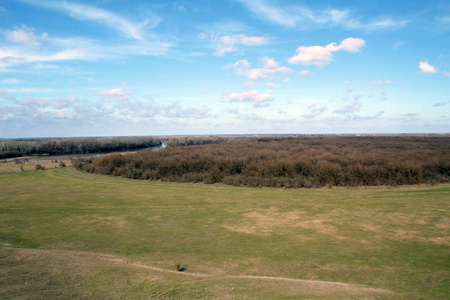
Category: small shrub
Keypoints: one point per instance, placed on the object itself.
(39, 167)
(179, 267)
(62, 164)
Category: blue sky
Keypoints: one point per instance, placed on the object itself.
(116, 67)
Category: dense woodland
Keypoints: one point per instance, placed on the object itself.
(296, 161)
(23, 147)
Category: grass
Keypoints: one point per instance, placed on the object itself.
(25, 164)
(68, 234)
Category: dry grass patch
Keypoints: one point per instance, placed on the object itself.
(29, 164)
(41, 274)
(264, 222)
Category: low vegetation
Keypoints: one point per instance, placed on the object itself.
(26, 164)
(23, 147)
(67, 234)
(303, 161)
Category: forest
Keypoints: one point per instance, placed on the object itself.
(287, 161)
(23, 147)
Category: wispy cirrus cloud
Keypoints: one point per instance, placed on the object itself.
(126, 26)
(230, 43)
(12, 56)
(319, 55)
(27, 47)
(304, 18)
(380, 82)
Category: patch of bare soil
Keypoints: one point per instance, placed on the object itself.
(264, 222)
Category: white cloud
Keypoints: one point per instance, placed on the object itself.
(350, 107)
(174, 110)
(357, 96)
(272, 85)
(437, 104)
(319, 55)
(178, 6)
(447, 74)
(351, 45)
(61, 114)
(64, 102)
(29, 90)
(222, 50)
(305, 73)
(382, 23)
(22, 35)
(229, 43)
(249, 117)
(253, 41)
(31, 102)
(269, 70)
(49, 49)
(314, 112)
(308, 101)
(11, 81)
(117, 94)
(426, 68)
(300, 17)
(258, 99)
(46, 67)
(238, 66)
(18, 55)
(380, 82)
(272, 13)
(101, 16)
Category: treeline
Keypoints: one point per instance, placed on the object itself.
(312, 161)
(24, 147)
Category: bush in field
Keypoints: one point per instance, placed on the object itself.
(179, 267)
(39, 167)
(292, 162)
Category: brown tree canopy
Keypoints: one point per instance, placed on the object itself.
(302, 161)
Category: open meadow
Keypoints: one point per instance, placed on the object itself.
(70, 234)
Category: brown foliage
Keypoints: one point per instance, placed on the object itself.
(305, 161)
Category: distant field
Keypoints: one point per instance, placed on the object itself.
(69, 234)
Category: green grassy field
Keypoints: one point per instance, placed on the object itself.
(68, 234)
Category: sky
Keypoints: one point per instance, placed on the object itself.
(125, 68)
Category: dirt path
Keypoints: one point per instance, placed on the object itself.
(302, 281)
(316, 284)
